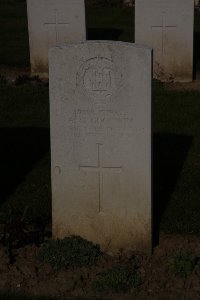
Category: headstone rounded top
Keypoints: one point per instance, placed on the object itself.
(102, 42)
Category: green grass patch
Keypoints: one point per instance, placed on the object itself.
(182, 263)
(118, 279)
(14, 50)
(197, 21)
(110, 23)
(28, 193)
(176, 126)
(72, 251)
(24, 105)
(25, 157)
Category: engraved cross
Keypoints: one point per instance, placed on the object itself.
(56, 24)
(163, 27)
(100, 169)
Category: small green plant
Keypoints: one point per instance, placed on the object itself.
(117, 279)
(182, 263)
(71, 251)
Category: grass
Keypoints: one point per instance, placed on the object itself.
(25, 158)
(197, 21)
(117, 24)
(71, 251)
(24, 129)
(182, 263)
(27, 102)
(14, 34)
(118, 279)
(176, 159)
(24, 132)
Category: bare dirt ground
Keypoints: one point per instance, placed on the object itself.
(22, 272)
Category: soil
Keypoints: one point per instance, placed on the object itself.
(22, 272)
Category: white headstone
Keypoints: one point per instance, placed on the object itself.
(100, 111)
(53, 22)
(167, 27)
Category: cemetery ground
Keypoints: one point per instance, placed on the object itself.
(26, 271)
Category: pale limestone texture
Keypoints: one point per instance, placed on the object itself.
(167, 27)
(51, 22)
(100, 117)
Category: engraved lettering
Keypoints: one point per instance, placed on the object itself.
(98, 80)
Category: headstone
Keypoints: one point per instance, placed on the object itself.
(167, 27)
(53, 22)
(100, 112)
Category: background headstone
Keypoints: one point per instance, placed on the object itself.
(100, 112)
(167, 27)
(53, 22)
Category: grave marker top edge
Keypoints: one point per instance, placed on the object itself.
(125, 44)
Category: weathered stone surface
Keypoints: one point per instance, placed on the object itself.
(100, 111)
(167, 27)
(52, 22)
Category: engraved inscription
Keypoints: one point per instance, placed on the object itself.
(101, 122)
(56, 24)
(98, 78)
(163, 28)
(100, 169)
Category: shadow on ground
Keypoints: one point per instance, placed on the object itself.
(169, 154)
(196, 57)
(20, 149)
(103, 34)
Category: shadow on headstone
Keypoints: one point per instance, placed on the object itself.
(196, 55)
(103, 33)
(20, 149)
(169, 154)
